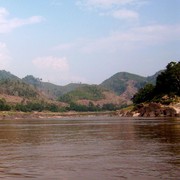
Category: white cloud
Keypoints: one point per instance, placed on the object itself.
(136, 38)
(133, 38)
(8, 24)
(4, 56)
(122, 14)
(119, 9)
(125, 14)
(3, 12)
(108, 3)
(51, 63)
(154, 34)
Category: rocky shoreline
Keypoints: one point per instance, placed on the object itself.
(152, 110)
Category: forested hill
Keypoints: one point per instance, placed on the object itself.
(125, 84)
(118, 83)
(7, 75)
(118, 89)
(14, 86)
(50, 90)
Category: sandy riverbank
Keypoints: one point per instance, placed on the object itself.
(45, 115)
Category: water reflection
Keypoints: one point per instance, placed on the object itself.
(90, 148)
(166, 132)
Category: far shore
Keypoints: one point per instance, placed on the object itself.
(13, 115)
(45, 115)
(143, 110)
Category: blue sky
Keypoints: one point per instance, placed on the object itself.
(87, 40)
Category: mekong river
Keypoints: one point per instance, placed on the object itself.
(90, 148)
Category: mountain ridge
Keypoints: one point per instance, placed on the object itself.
(122, 84)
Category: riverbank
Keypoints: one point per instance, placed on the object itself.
(141, 110)
(151, 110)
(47, 115)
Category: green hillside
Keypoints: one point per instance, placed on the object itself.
(7, 75)
(12, 85)
(88, 92)
(49, 89)
(31, 94)
(29, 79)
(17, 88)
(118, 82)
(71, 87)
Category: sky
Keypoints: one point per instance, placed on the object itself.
(87, 41)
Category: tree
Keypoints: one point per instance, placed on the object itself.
(109, 107)
(168, 82)
(92, 107)
(52, 107)
(144, 94)
(4, 106)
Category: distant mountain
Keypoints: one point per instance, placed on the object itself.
(118, 89)
(7, 75)
(119, 82)
(29, 79)
(12, 87)
(56, 91)
(48, 89)
(93, 94)
(125, 84)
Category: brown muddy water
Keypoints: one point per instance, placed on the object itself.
(94, 148)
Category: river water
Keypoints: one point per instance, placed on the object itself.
(93, 148)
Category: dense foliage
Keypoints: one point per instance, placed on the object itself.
(167, 83)
(37, 106)
(88, 92)
(43, 106)
(144, 94)
(91, 107)
(4, 106)
(30, 106)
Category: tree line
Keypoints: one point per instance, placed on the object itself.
(29, 106)
(43, 106)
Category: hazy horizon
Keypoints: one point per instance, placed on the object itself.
(88, 41)
(72, 81)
